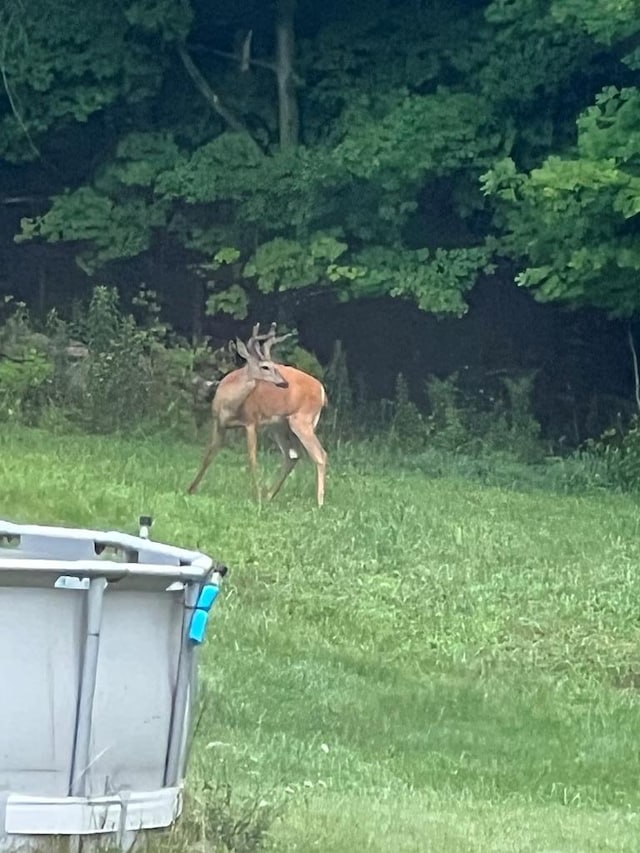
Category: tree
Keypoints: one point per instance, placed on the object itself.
(66, 63)
(339, 178)
(572, 223)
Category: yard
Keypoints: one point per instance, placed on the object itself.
(425, 664)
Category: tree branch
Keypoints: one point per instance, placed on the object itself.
(625, 46)
(212, 98)
(258, 63)
(6, 25)
(236, 57)
(634, 356)
(24, 199)
(246, 52)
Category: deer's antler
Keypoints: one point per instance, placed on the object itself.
(260, 345)
(253, 342)
(271, 340)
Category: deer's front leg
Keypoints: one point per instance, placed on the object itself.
(216, 442)
(252, 450)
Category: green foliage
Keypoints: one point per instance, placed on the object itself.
(115, 217)
(420, 136)
(303, 359)
(233, 300)
(449, 424)
(394, 104)
(436, 281)
(533, 55)
(284, 264)
(65, 62)
(128, 374)
(113, 386)
(508, 424)
(573, 219)
(171, 20)
(312, 216)
(224, 297)
(25, 373)
(616, 456)
(341, 415)
(523, 427)
(220, 169)
(407, 427)
(232, 823)
(20, 384)
(499, 423)
(112, 229)
(397, 50)
(139, 160)
(608, 20)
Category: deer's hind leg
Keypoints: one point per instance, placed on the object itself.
(290, 449)
(304, 429)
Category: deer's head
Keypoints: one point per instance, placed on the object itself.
(258, 366)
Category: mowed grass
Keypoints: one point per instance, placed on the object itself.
(422, 665)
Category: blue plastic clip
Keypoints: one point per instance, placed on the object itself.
(207, 597)
(198, 627)
(200, 618)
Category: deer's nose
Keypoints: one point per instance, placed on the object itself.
(283, 384)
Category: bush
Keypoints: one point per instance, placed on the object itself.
(449, 422)
(112, 389)
(407, 427)
(101, 372)
(501, 421)
(341, 420)
(25, 365)
(615, 456)
(23, 386)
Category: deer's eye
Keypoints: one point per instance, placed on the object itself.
(264, 366)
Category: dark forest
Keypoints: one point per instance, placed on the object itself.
(448, 189)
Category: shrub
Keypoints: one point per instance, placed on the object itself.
(476, 423)
(102, 371)
(341, 420)
(407, 427)
(25, 365)
(616, 456)
(448, 422)
(23, 386)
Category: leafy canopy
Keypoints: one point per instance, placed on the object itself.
(401, 107)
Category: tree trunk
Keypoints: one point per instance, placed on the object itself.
(42, 289)
(288, 118)
(197, 312)
(634, 360)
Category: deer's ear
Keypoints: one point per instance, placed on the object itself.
(242, 351)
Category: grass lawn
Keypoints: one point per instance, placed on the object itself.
(425, 664)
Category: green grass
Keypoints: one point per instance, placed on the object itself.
(425, 664)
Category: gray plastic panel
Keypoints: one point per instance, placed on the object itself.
(31, 541)
(137, 666)
(41, 637)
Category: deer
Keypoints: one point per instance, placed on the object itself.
(265, 393)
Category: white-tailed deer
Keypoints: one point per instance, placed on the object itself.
(263, 393)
